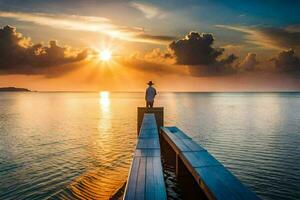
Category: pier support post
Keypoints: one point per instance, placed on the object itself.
(158, 112)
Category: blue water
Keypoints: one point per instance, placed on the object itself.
(79, 145)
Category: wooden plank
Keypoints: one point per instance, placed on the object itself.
(141, 179)
(132, 179)
(200, 159)
(149, 133)
(147, 127)
(150, 180)
(215, 180)
(192, 145)
(160, 188)
(147, 152)
(149, 118)
(181, 145)
(169, 135)
(158, 112)
(223, 184)
(212, 183)
(152, 143)
(231, 182)
(184, 145)
(181, 135)
(149, 122)
(169, 141)
(146, 179)
(174, 131)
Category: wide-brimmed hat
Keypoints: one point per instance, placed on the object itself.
(150, 83)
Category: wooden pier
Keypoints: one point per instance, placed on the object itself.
(145, 180)
(158, 113)
(213, 178)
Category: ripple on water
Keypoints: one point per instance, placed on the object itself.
(79, 146)
(97, 184)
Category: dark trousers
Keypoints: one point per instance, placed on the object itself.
(149, 104)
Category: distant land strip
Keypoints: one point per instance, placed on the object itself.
(14, 89)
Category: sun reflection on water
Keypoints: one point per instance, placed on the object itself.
(104, 100)
(105, 113)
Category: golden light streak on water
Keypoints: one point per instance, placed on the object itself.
(104, 100)
(105, 112)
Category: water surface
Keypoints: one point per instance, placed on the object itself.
(79, 145)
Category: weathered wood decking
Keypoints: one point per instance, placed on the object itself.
(213, 178)
(192, 162)
(158, 113)
(145, 180)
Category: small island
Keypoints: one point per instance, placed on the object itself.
(14, 89)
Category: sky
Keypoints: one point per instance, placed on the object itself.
(192, 45)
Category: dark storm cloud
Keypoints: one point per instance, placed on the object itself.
(196, 51)
(287, 61)
(287, 38)
(270, 37)
(19, 56)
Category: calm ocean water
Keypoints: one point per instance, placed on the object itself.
(79, 145)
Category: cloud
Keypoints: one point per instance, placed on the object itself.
(287, 61)
(228, 60)
(196, 51)
(88, 24)
(270, 37)
(158, 55)
(18, 55)
(156, 61)
(249, 62)
(293, 28)
(283, 38)
(149, 11)
(144, 65)
(157, 38)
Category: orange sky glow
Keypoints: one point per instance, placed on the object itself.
(91, 49)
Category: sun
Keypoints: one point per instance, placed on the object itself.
(105, 55)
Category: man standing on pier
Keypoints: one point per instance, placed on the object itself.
(150, 95)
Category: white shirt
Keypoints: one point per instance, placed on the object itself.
(150, 94)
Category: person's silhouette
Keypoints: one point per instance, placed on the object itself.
(150, 95)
